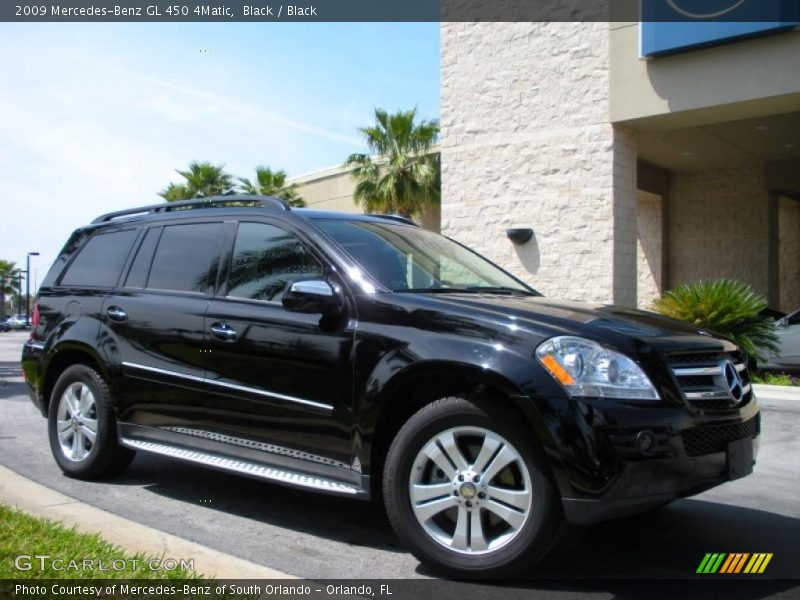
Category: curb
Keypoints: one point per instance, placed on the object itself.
(133, 537)
(777, 392)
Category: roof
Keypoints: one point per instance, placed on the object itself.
(268, 204)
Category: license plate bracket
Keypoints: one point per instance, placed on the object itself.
(740, 458)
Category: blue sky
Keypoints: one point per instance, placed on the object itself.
(96, 117)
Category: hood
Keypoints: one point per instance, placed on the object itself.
(547, 317)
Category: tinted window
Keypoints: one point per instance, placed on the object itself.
(403, 257)
(100, 261)
(137, 276)
(265, 259)
(184, 257)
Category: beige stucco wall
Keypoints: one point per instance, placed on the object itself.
(719, 227)
(721, 83)
(526, 142)
(328, 189)
(333, 188)
(789, 252)
(649, 220)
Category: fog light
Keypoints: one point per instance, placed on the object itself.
(647, 442)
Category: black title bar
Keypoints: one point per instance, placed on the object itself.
(399, 10)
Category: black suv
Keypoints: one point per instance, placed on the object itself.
(363, 356)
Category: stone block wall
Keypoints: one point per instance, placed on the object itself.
(526, 142)
(719, 227)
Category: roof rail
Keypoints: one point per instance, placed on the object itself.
(399, 218)
(211, 202)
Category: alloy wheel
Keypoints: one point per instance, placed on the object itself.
(470, 490)
(76, 421)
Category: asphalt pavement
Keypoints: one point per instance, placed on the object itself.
(320, 537)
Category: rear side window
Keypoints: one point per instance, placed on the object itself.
(137, 276)
(184, 257)
(100, 261)
(265, 259)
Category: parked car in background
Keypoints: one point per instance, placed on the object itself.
(5, 325)
(788, 358)
(18, 322)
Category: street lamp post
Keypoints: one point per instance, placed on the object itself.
(28, 288)
(19, 292)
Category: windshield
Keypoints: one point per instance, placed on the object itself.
(409, 259)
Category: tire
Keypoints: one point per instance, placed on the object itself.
(81, 399)
(431, 522)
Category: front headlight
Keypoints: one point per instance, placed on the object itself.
(586, 369)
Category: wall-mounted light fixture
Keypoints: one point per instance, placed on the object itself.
(519, 235)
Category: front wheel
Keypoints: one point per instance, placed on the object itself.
(467, 490)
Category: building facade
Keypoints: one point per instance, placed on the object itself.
(638, 166)
(636, 174)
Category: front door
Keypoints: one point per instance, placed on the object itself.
(284, 380)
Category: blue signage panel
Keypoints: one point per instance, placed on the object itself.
(670, 26)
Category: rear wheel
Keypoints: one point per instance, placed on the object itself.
(82, 427)
(467, 491)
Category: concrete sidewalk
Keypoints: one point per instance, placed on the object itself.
(40, 501)
(776, 392)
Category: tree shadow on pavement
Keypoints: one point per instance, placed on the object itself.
(667, 544)
(343, 520)
(10, 385)
(656, 555)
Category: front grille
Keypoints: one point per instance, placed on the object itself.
(700, 358)
(704, 383)
(708, 439)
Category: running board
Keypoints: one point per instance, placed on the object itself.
(244, 467)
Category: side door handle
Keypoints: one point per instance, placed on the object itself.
(115, 313)
(223, 331)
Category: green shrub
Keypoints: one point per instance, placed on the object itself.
(727, 307)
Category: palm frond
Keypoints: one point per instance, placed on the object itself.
(728, 307)
(401, 175)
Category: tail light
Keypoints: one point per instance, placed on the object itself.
(34, 317)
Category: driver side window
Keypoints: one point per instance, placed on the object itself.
(265, 259)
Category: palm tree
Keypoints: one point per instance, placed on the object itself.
(201, 180)
(272, 183)
(401, 175)
(8, 275)
(724, 306)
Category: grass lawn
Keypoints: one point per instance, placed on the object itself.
(776, 379)
(23, 534)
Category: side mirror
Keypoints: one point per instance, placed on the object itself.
(784, 322)
(311, 296)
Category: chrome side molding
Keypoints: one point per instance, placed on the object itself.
(244, 467)
(229, 386)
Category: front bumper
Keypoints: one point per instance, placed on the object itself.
(617, 460)
(648, 484)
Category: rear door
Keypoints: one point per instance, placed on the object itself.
(154, 324)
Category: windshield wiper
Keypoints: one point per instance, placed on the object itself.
(474, 289)
(499, 290)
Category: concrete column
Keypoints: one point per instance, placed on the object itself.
(526, 142)
(625, 231)
(773, 251)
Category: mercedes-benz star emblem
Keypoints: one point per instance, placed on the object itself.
(732, 379)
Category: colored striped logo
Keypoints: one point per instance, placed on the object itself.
(734, 563)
